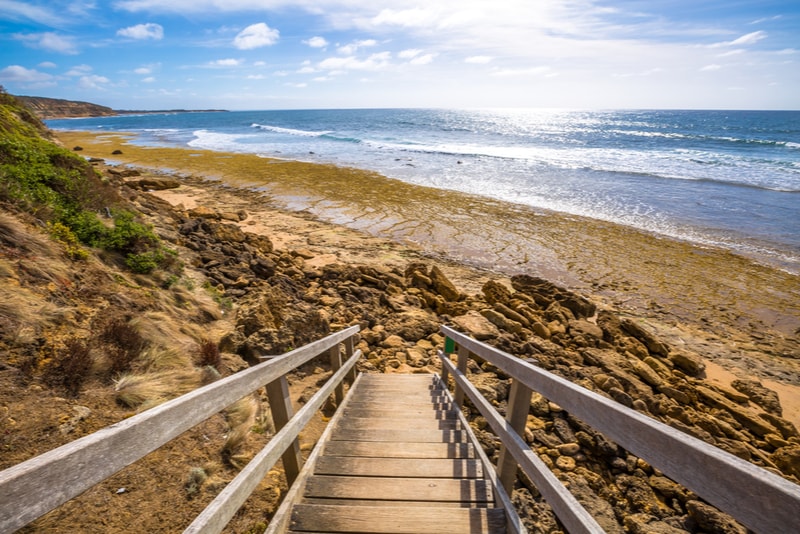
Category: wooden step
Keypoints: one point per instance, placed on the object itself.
(381, 423)
(396, 520)
(377, 449)
(399, 467)
(399, 489)
(418, 436)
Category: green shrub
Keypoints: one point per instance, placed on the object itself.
(64, 235)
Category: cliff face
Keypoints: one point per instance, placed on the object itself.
(55, 108)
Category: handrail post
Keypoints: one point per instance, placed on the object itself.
(280, 404)
(349, 350)
(336, 364)
(449, 348)
(519, 402)
(461, 365)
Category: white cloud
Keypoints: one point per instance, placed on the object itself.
(256, 36)
(47, 65)
(260, 64)
(374, 62)
(256, 77)
(747, 39)
(479, 60)
(422, 60)
(24, 10)
(409, 53)
(228, 62)
(150, 30)
(79, 70)
(316, 42)
(297, 85)
(149, 79)
(49, 41)
(414, 17)
(19, 74)
(93, 81)
(306, 70)
(352, 48)
(143, 70)
(711, 67)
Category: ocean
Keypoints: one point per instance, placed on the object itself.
(729, 179)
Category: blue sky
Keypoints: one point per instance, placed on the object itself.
(279, 54)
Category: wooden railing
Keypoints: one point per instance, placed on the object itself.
(759, 499)
(34, 487)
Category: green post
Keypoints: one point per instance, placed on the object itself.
(449, 346)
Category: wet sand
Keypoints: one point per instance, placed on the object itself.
(742, 315)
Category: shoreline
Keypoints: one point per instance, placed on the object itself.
(739, 314)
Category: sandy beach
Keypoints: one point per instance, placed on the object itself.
(740, 315)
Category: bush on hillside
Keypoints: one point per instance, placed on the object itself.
(60, 188)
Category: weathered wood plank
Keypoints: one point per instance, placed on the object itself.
(412, 504)
(399, 489)
(280, 405)
(366, 423)
(33, 488)
(423, 436)
(377, 449)
(402, 414)
(398, 467)
(400, 407)
(396, 520)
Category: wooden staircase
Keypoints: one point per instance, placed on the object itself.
(398, 457)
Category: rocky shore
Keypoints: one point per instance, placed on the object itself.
(259, 280)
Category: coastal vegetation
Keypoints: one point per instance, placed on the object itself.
(125, 287)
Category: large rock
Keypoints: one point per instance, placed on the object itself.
(689, 363)
(711, 520)
(412, 325)
(442, 285)
(152, 183)
(756, 392)
(476, 325)
(788, 460)
(494, 291)
(653, 345)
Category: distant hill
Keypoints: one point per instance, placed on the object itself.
(56, 108)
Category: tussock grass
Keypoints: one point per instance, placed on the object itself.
(154, 359)
(143, 391)
(13, 233)
(241, 416)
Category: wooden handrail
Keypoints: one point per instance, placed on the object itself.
(761, 500)
(566, 507)
(32, 488)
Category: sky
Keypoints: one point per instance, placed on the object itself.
(304, 54)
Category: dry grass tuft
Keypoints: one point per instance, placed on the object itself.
(241, 416)
(14, 234)
(144, 391)
(154, 359)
